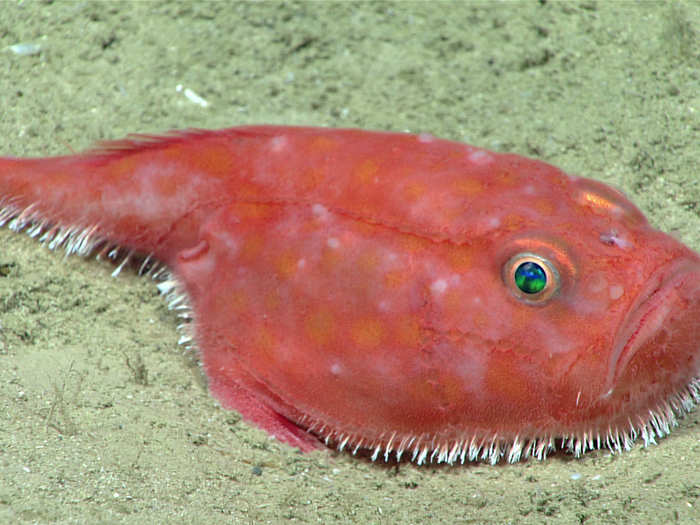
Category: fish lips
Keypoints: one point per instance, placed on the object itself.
(670, 301)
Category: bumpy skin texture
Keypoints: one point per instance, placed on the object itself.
(352, 283)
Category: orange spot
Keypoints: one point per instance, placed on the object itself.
(544, 206)
(460, 258)
(323, 144)
(252, 211)
(166, 186)
(319, 327)
(444, 390)
(413, 191)
(512, 222)
(453, 300)
(286, 264)
(363, 228)
(480, 319)
(125, 166)
(449, 389)
(217, 160)
(245, 191)
(236, 302)
(421, 388)
(272, 301)
(366, 171)
(330, 258)
(505, 382)
(367, 333)
(264, 340)
(309, 226)
(468, 187)
(252, 246)
(412, 243)
(408, 332)
(310, 179)
(368, 262)
(508, 178)
(395, 279)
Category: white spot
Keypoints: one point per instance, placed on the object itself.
(616, 291)
(487, 224)
(597, 283)
(336, 369)
(279, 143)
(553, 341)
(320, 211)
(332, 242)
(476, 300)
(383, 306)
(301, 263)
(439, 286)
(426, 138)
(529, 189)
(472, 371)
(480, 157)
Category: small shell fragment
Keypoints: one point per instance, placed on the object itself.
(191, 96)
(25, 49)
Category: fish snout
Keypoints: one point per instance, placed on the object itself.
(658, 344)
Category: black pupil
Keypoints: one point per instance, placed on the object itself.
(530, 278)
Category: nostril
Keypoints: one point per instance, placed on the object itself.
(613, 238)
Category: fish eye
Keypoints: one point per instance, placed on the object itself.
(531, 277)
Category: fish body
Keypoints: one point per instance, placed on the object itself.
(391, 292)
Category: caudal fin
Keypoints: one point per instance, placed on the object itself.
(145, 194)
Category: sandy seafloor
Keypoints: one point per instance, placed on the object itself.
(609, 90)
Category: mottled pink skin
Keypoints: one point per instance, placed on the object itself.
(353, 282)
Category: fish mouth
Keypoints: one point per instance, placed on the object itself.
(671, 289)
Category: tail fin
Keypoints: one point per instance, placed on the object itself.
(146, 194)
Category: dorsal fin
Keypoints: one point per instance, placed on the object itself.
(142, 142)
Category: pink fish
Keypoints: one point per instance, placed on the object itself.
(395, 293)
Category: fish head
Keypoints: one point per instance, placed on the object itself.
(594, 328)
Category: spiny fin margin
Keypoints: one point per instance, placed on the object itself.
(84, 242)
(494, 448)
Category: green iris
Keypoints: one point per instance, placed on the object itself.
(530, 277)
